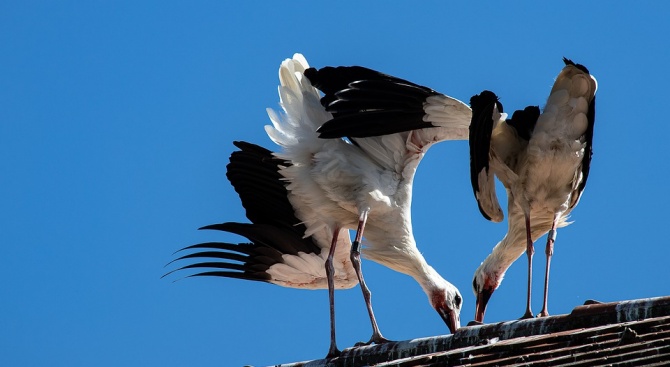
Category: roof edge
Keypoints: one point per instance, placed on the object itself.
(591, 314)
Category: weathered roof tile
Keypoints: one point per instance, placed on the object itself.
(626, 333)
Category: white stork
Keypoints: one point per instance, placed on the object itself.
(337, 184)
(359, 183)
(542, 160)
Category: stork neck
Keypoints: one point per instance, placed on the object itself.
(514, 244)
(399, 252)
(510, 248)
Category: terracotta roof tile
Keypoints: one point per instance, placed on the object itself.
(626, 333)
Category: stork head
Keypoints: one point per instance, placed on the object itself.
(447, 301)
(483, 285)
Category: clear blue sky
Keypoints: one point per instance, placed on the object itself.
(116, 122)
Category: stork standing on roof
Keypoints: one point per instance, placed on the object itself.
(363, 184)
(543, 161)
(393, 122)
(334, 185)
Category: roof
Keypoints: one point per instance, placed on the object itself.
(635, 332)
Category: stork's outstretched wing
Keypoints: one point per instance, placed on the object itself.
(366, 103)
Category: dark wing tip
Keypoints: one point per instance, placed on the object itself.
(578, 66)
(311, 73)
(251, 147)
(481, 128)
(524, 121)
(533, 111)
(484, 99)
(212, 226)
(365, 102)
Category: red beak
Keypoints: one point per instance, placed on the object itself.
(482, 300)
(451, 318)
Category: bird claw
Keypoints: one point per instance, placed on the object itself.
(527, 315)
(543, 314)
(333, 353)
(474, 323)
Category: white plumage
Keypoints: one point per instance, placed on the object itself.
(303, 200)
(358, 183)
(543, 161)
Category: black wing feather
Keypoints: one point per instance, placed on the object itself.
(254, 173)
(246, 260)
(481, 127)
(281, 239)
(365, 102)
(578, 66)
(376, 123)
(523, 121)
(275, 230)
(258, 277)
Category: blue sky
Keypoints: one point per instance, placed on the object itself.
(116, 122)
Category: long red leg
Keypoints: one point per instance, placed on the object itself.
(356, 261)
(549, 251)
(330, 273)
(529, 252)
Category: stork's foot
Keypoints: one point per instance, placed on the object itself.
(474, 323)
(333, 352)
(527, 315)
(543, 313)
(376, 339)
